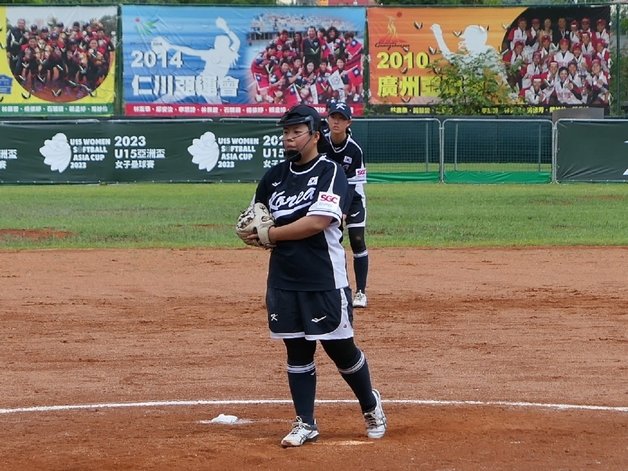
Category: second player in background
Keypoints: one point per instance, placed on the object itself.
(340, 146)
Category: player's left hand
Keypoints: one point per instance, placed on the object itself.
(254, 224)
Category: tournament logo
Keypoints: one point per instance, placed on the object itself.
(57, 152)
(205, 151)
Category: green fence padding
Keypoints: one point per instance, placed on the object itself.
(379, 177)
(592, 151)
(497, 177)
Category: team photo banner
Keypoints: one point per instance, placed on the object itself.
(404, 42)
(204, 61)
(548, 57)
(58, 61)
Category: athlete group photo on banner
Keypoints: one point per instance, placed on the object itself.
(61, 56)
(200, 61)
(309, 64)
(562, 60)
(207, 61)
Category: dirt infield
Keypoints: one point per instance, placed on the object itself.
(486, 359)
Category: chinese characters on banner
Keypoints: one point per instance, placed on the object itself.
(137, 150)
(404, 42)
(206, 61)
(548, 58)
(218, 61)
(58, 61)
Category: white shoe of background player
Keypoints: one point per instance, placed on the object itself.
(359, 300)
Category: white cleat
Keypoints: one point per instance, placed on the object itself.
(376, 419)
(359, 300)
(300, 434)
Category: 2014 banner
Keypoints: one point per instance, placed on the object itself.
(218, 61)
(58, 61)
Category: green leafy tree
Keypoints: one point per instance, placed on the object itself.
(468, 86)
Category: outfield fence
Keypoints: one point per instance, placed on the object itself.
(451, 150)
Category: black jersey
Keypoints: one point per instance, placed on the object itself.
(350, 157)
(290, 192)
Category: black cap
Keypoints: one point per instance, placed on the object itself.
(301, 114)
(340, 107)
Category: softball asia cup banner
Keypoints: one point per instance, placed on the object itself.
(200, 61)
(89, 151)
(58, 61)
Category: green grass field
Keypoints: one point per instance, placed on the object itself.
(400, 215)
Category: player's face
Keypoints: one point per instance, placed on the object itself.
(296, 137)
(338, 123)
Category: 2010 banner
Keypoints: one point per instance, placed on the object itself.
(58, 61)
(546, 58)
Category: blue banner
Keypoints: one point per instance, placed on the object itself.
(195, 61)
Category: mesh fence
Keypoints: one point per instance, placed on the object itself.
(400, 149)
(497, 150)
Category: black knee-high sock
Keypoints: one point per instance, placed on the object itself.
(358, 378)
(302, 382)
(361, 269)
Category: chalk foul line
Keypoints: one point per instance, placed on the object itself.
(419, 402)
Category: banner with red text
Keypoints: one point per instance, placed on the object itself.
(199, 61)
(58, 61)
(549, 57)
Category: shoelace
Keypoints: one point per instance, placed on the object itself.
(371, 419)
(298, 426)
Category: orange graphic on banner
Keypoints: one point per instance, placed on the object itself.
(404, 42)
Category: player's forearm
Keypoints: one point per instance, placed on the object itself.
(300, 229)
